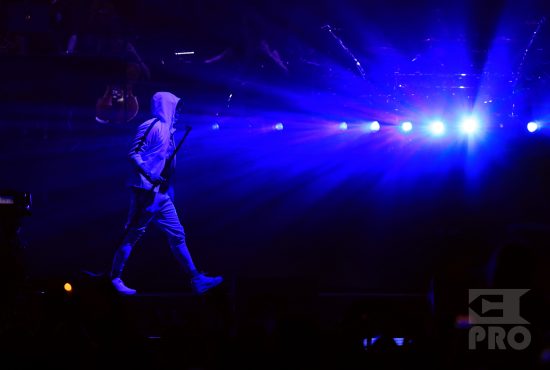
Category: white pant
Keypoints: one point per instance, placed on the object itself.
(147, 206)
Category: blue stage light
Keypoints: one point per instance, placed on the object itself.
(406, 126)
(374, 126)
(469, 125)
(532, 126)
(399, 341)
(437, 128)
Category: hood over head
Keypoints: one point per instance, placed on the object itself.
(163, 106)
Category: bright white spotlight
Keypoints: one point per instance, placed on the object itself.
(279, 126)
(406, 126)
(215, 126)
(343, 126)
(374, 126)
(437, 128)
(532, 126)
(469, 125)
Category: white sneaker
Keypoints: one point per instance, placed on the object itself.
(118, 284)
(201, 283)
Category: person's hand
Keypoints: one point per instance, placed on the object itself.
(155, 179)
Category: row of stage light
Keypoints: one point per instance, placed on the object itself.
(467, 126)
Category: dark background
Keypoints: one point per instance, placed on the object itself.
(350, 211)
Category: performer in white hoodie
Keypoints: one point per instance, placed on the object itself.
(152, 198)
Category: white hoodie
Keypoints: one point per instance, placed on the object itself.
(149, 154)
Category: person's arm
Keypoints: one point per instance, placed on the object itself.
(139, 144)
